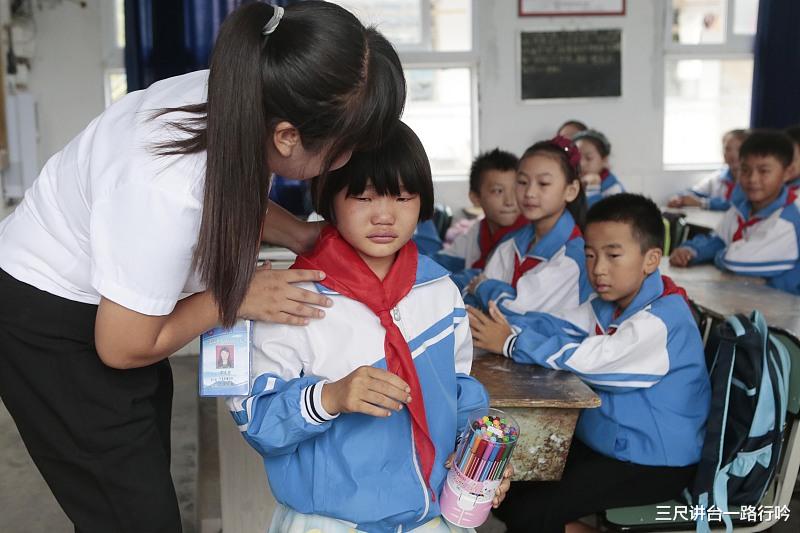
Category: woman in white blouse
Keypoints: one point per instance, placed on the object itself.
(144, 230)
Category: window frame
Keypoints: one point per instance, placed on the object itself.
(735, 47)
(113, 56)
(412, 57)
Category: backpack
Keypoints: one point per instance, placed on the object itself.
(744, 433)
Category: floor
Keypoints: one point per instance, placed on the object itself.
(194, 443)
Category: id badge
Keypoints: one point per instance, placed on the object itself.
(225, 361)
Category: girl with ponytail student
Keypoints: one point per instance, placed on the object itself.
(541, 267)
(144, 230)
(356, 415)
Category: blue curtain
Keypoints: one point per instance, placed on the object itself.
(776, 71)
(165, 38)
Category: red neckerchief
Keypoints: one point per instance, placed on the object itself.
(604, 174)
(729, 186)
(669, 288)
(521, 267)
(488, 240)
(744, 224)
(347, 274)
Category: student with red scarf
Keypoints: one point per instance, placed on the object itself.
(356, 415)
(541, 267)
(492, 179)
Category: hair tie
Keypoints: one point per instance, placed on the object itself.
(573, 154)
(272, 23)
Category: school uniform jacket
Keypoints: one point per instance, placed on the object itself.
(716, 191)
(459, 257)
(647, 366)
(762, 244)
(609, 186)
(554, 276)
(354, 467)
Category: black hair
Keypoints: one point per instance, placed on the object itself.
(639, 212)
(572, 173)
(737, 134)
(595, 137)
(766, 143)
(577, 124)
(340, 84)
(794, 133)
(400, 161)
(496, 159)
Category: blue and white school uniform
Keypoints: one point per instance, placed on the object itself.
(763, 244)
(609, 186)
(553, 272)
(715, 191)
(427, 239)
(356, 470)
(461, 256)
(647, 366)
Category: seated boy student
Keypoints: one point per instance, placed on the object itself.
(760, 234)
(492, 179)
(643, 356)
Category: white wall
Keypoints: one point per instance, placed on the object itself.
(632, 122)
(67, 72)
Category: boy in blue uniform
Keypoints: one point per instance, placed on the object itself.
(492, 180)
(637, 345)
(760, 234)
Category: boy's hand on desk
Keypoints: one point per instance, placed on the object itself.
(505, 484)
(368, 390)
(488, 331)
(680, 257)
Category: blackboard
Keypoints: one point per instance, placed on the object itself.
(571, 64)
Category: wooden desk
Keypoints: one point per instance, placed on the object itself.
(545, 403)
(723, 293)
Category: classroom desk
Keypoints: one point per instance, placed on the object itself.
(723, 293)
(544, 402)
(698, 218)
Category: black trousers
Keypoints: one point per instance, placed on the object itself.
(99, 436)
(591, 483)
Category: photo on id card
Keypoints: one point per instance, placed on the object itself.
(225, 361)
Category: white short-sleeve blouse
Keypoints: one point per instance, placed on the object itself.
(108, 216)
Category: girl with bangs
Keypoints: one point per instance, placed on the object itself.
(357, 415)
(144, 231)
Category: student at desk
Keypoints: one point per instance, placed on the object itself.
(637, 345)
(759, 235)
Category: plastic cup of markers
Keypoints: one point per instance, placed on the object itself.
(478, 465)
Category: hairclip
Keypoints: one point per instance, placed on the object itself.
(573, 154)
(277, 15)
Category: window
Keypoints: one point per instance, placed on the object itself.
(114, 80)
(708, 77)
(434, 40)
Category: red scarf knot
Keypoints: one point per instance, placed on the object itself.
(487, 240)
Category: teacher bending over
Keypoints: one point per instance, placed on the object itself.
(144, 230)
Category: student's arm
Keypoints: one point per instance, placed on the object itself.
(703, 248)
(471, 394)
(462, 278)
(634, 357)
(282, 409)
(717, 204)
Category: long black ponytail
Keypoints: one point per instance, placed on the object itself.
(339, 83)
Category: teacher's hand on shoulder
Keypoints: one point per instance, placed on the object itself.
(272, 297)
